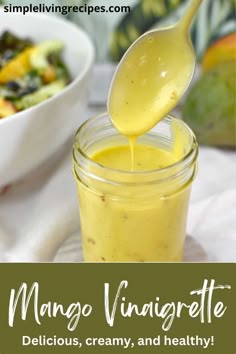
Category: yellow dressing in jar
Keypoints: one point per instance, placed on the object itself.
(134, 195)
(146, 158)
(135, 215)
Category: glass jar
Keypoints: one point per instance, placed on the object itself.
(134, 216)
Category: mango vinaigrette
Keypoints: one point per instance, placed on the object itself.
(149, 83)
(151, 78)
(134, 194)
(139, 215)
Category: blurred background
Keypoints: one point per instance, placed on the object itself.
(214, 39)
(112, 33)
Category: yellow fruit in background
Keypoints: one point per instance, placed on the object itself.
(221, 51)
(210, 108)
(17, 67)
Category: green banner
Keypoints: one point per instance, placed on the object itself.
(117, 308)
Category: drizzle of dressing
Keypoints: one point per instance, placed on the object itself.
(150, 82)
(152, 77)
(132, 141)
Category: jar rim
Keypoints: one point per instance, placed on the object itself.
(189, 157)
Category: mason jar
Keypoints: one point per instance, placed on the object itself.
(134, 216)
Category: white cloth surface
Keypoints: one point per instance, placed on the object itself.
(39, 215)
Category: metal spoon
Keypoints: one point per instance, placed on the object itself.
(152, 76)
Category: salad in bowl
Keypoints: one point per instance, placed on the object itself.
(30, 73)
(45, 70)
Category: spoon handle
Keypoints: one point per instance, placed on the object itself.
(186, 20)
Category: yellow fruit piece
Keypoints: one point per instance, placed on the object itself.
(49, 75)
(223, 50)
(17, 67)
(6, 108)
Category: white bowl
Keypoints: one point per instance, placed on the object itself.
(30, 137)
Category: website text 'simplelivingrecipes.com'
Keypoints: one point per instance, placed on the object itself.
(65, 9)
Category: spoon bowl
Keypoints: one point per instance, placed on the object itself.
(152, 77)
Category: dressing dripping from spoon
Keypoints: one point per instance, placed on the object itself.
(152, 77)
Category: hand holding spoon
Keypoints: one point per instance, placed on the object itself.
(152, 77)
